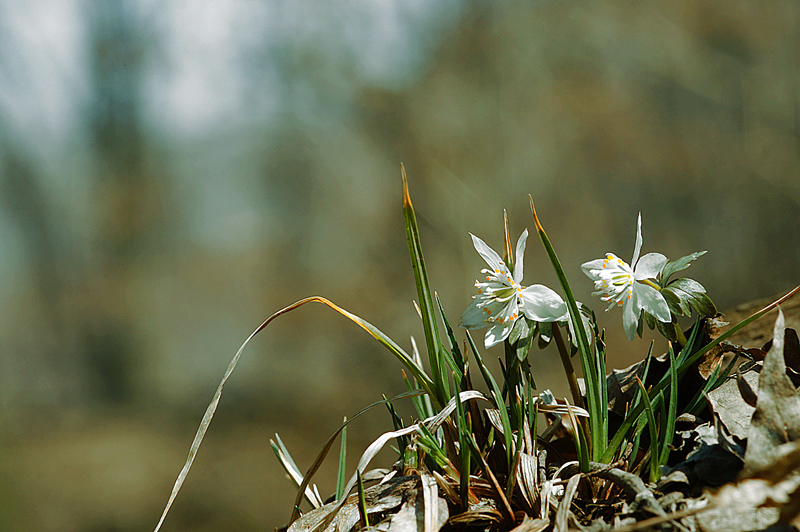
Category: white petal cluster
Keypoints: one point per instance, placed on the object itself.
(501, 298)
(619, 284)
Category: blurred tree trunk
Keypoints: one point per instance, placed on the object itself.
(126, 195)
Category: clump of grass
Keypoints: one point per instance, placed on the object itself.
(485, 451)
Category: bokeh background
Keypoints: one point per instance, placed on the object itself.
(173, 172)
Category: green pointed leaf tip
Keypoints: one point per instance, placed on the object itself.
(678, 265)
(429, 324)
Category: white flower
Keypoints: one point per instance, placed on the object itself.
(501, 299)
(619, 284)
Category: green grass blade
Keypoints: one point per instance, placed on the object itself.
(651, 421)
(429, 325)
(397, 423)
(691, 343)
(362, 501)
(672, 410)
(416, 369)
(581, 446)
(497, 393)
(457, 364)
(513, 471)
(427, 400)
(598, 410)
(465, 465)
(341, 475)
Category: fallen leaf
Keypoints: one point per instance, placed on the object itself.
(726, 401)
(776, 419)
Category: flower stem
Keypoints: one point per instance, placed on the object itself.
(679, 333)
(648, 282)
(577, 398)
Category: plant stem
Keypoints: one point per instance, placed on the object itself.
(648, 282)
(679, 334)
(577, 398)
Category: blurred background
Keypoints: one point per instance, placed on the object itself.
(173, 172)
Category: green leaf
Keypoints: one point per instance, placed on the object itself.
(690, 286)
(678, 265)
(703, 305)
(545, 334)
(676, 301)
(640, 323)
(689, 295)
(397, 423)
(452, 356)
(667, 330)
(432, 339)
(520, 330)
(522, 347)
(362, 501)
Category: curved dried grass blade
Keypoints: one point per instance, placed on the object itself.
(527, 471)
(430, 503)
(292, 470)
(561, 524)
(395, 349)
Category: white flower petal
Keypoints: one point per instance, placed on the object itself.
(590, 268)
(650, 266)
(648, 298)
(630, 318)
(489, 255)
(510, 311)
(473, 317)
(520, 256)
(543, 304)
(497, 333)
(638, 246)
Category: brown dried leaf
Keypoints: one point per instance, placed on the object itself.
(726, 401)
(777, 416)
(769, 497)
(710, 361)
(746, 390)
